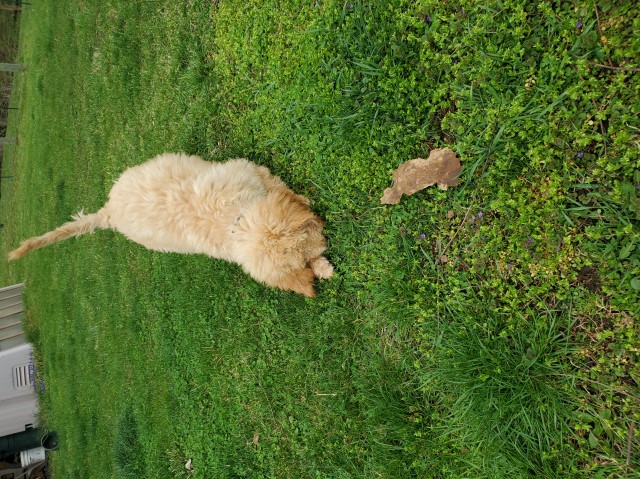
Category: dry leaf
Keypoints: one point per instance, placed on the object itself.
(441, 168)
(256, 438)
(450, 214)
(189, 466)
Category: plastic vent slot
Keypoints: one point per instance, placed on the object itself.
(21, 377)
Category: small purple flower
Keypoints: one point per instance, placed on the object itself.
(638, 186)
(350, 5)
(580, 155)
(529, 240)
(579, 24)
(509, 266)
(422, 236)
(480, 214)
(428, 19)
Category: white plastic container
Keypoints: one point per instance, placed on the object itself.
(32, 456)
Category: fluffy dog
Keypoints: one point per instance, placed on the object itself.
(236, 211)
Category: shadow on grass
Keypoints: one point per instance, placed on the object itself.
(128, 457)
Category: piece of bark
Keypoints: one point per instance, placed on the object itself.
(441, 168)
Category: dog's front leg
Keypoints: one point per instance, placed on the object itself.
(321, 268)
(299, 281)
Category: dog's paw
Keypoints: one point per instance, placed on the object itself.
(322, 268)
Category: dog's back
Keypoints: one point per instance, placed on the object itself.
(174, 202)
(182, 203)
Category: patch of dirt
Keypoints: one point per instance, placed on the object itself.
(589, 278)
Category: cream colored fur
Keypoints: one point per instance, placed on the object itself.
(237, 211)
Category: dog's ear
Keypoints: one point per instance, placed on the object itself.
(313, 224)
(286, 195)
(302, 199)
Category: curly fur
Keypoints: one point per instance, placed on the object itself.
(236, 211)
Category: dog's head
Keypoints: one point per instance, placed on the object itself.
(291, 231)
(280, 238)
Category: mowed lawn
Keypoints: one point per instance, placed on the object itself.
(487, 331)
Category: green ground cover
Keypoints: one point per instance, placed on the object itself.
(489, 331)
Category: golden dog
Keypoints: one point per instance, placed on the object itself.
(236, 211)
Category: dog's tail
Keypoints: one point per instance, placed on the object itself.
(82, 224)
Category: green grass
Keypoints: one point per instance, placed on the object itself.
(516, 356)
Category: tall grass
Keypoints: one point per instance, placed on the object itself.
(486, 331)
(509, 401)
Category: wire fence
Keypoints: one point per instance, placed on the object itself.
(9, 36)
